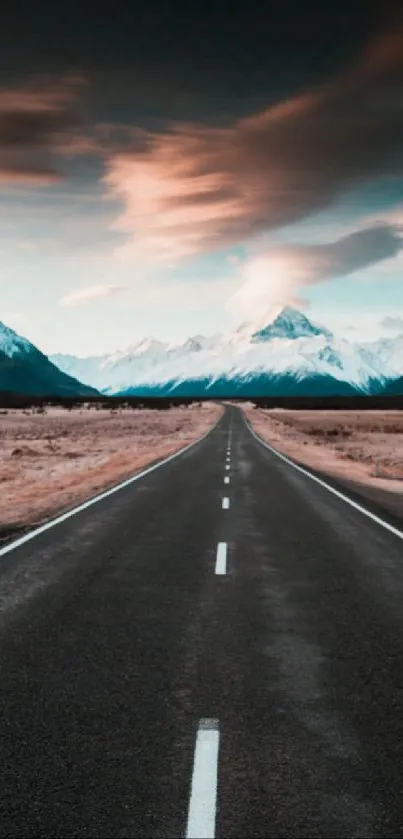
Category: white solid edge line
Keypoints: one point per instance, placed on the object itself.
(85, 504)
(226, 479)
(203, 796)
(221, 558)
(225, 503)
(331, 489)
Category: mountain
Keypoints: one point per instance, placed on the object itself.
(390, 353)
(394, 388)
(290, 324)
(24, 369)
(290, 354)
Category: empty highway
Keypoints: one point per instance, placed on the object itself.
(215, 649)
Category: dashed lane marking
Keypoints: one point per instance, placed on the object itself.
(203, 796)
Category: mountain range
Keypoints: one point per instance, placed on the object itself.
(287, 355)
(25, 370)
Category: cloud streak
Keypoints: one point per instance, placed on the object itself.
(195, 189)
(93, 292)
(280, 274)
(394, 323)
(39, 124)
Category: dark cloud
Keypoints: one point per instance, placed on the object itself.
(349, 254)
(194, 188)
(181, 60)
(39, 122)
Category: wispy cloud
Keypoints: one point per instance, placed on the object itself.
(193, 188)
(17, 174)
(279, 275)
(394, 323)
(93, 292)
(39, 123)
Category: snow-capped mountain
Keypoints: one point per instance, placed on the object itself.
(290, 324)
(12, 344)
(24, 369)
(290, 354)
(389, 351)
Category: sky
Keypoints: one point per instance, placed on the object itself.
(174, 169)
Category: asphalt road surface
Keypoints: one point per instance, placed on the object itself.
(174, 664)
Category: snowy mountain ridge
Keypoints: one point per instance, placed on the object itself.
(290, 346)
(24, 369)
(13, 344)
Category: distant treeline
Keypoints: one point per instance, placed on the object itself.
(162, 403)
(331, 403)
(15, 400)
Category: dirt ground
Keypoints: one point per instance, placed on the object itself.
(363, 449)
(51, 461)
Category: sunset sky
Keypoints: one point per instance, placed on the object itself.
(176, 168)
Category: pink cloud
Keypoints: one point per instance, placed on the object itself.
(276, 277)
(29, 177)
(194, 189)
(93, 292)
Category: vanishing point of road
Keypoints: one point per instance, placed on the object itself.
(215, 649)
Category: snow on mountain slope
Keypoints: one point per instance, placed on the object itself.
(389, 351)
(302, 357)
(290, 324)
(24, 369)
(290, 345)
(13, 344)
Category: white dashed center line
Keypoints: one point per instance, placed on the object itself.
(225, 503)
(203, 796)
(221, 560)
(226, 479)
(227, 466)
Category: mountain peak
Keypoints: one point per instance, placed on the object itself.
(305, 359)
(25, 369)
(147, 344)
(291, 312)
(13, 344)
(291, 324)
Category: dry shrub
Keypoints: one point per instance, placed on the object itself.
(24, 451)
(93, 451)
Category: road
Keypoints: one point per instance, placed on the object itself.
(161, 640)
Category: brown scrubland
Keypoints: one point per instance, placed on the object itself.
(52, 458)
(363, 449)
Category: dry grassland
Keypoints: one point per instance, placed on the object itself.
(52, 461)
(362, 448)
